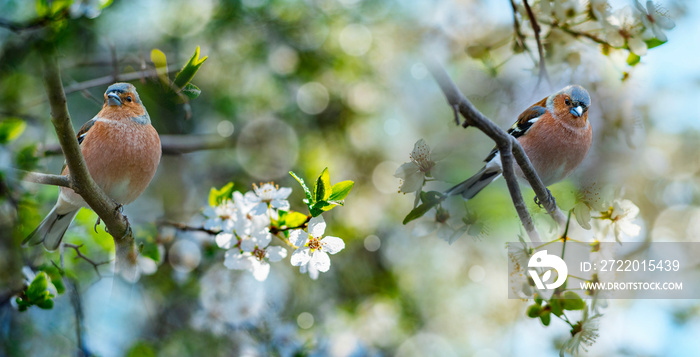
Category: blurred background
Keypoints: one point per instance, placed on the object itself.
(306, 84)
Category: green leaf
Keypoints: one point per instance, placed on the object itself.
(191, 91)
(189, 70)
(307, 192)
(42, 8)
(294, 219)
(150, 250)
(37, 287)
(534, 310)
(323, 186)
(633, 59)
(555, 307)
(161, 62)
(654, 42)
(26, 158)
(216, 197)
(418, 212)
(546, 318)
(341, 190)
(322, 206)
(571, 301)
(11, 129)
(45, 304)
(56, 278)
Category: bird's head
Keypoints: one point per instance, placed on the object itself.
(123, 98)
(571, 103)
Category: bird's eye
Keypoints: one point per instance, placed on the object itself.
(128, 99)
(567, 101)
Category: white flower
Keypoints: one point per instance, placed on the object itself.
(623, 26)
(654, 19)
(413, 173)
(131, 271)
(313, 249)
(220, 217)
(519, 256)
(583, 334)
(622, 214)
(266, 195)
(445, 231)
(258, 239)
(256, 261)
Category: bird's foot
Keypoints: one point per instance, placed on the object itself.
(97, 223)
(540, 203)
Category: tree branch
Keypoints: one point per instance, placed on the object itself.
(105, 80)
(540, 49)
(79, 254)
(82, 183)
(44, 179)
(508, 147)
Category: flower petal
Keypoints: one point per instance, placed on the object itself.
(233, 259)
(332, 245)
(260, 270)
(301, 256)
(280, 204)
(321, 261)
(276, 253)
(224, 240)
(317, 226)
(298, 237)
(283, 193)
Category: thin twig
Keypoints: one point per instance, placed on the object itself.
(185, 227)
(540, 48)
(79, 254)
(105, 80)
(44, 179)
(519, 37)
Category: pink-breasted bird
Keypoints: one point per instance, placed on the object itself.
(555, 134)
(122, 151)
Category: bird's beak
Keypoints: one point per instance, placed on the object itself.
(113, 99)
(576, 111)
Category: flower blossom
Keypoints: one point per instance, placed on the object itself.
(312, 250)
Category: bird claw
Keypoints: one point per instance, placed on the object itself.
(540, 203)
(97, 224)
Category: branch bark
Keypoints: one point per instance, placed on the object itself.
(82, 183)
(508, 147)
(540, 48)
(45, 179)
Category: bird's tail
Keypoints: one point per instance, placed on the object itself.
(51, 229)
(473, 185)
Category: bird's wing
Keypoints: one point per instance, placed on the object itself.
(84, 129)
(525, 120)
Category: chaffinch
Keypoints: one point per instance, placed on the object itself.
(122, 151)
(555, 134)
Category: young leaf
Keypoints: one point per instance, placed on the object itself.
(546, 318)
(37, 287)
(189, 70)
(216, 197)
(295, 219)
(571, 301)
(633, 59)
(307, 192)
(418, 212)
(323, 186)
(161, 62)
(11, 129)
(341, 190)
(191, 91)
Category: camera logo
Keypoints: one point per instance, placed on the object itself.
(543, 260)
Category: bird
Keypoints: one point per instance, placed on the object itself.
(556, 135)
(122, 151)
